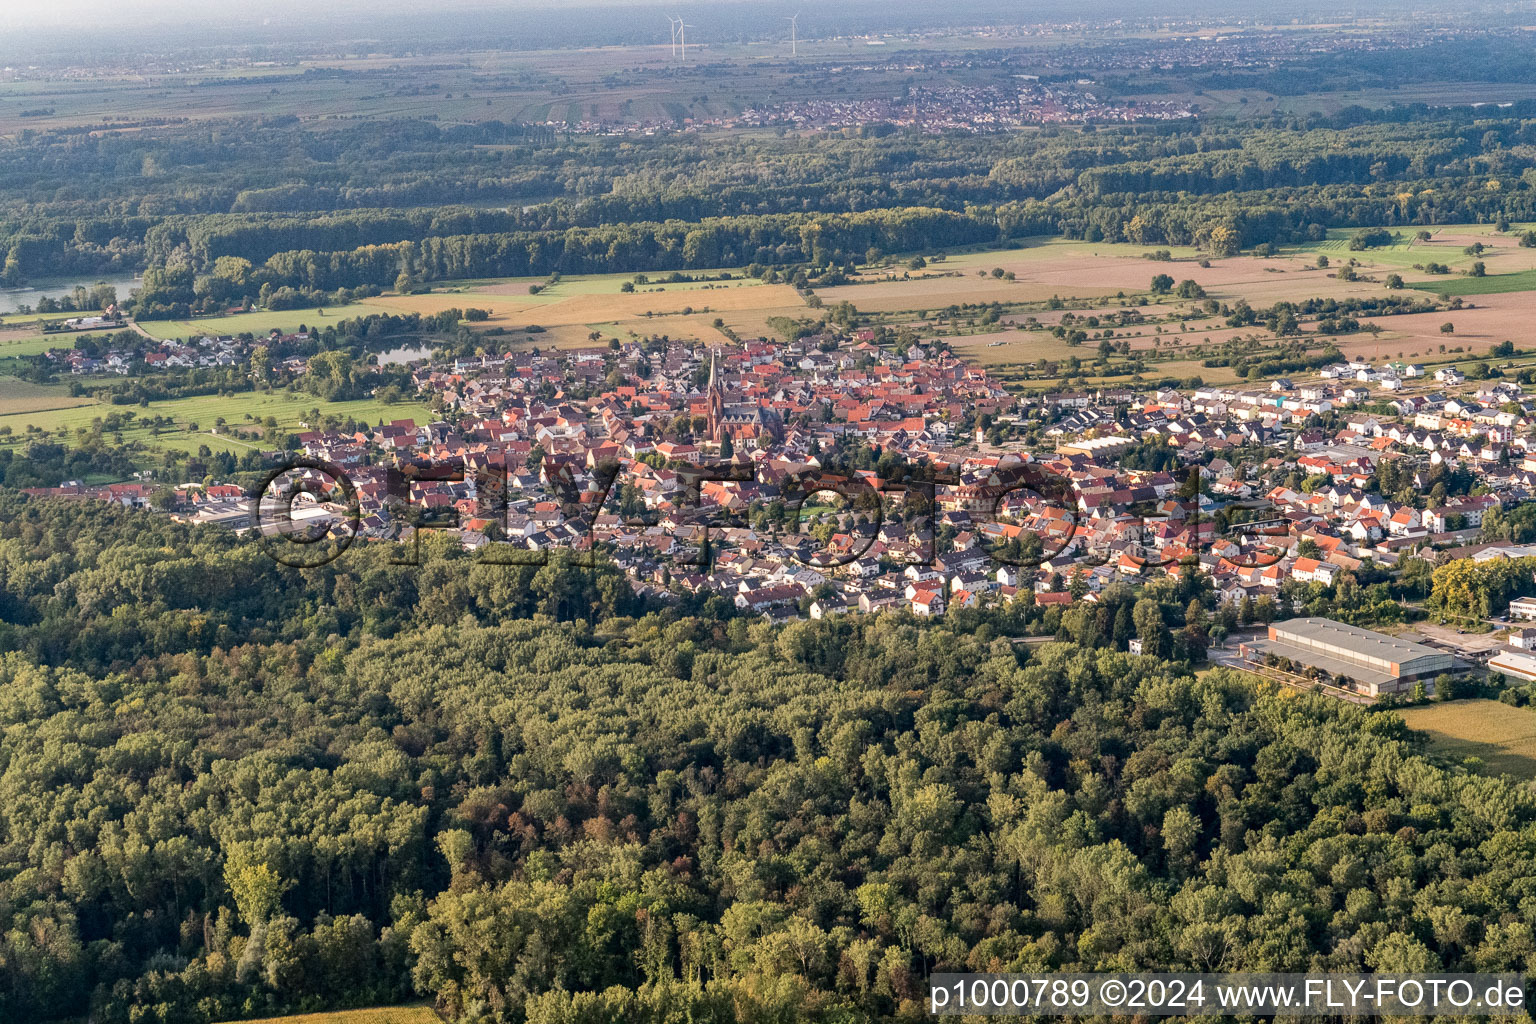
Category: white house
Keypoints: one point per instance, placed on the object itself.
(1404, 521)
(928, 603)
(1311, 570)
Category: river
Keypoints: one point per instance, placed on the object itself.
(12, 299)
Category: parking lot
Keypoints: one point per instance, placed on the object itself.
(1471, 646)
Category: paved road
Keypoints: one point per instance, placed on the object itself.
(1227, 656)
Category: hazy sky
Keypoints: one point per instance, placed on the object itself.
(99, 12)
(106, 13)
(223, 20)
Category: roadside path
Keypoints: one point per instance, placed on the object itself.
(135, 325)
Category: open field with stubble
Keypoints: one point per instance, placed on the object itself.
(1071, 269)
(597, 303)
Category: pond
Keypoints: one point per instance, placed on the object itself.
(405, 354)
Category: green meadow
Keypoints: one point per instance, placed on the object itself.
(290, 411)
(1493, 284)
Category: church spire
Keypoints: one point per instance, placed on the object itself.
(715, 401)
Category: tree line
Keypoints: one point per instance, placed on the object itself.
(255, 188)
(233, 790)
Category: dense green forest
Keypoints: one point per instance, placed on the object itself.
(229, 789)
(218, 212)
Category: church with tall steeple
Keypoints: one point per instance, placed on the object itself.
(714, 396)
(744, 422)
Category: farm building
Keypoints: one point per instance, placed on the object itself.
(1378, 664)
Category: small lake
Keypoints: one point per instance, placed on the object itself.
(404, 354)
(12, 299)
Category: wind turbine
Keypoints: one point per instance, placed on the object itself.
(682, 37)
(794, 38)
(673, 23)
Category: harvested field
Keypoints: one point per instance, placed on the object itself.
(559, 307)
(933, 293)
(1016, 347)
(1078, 270)
(1494, 319)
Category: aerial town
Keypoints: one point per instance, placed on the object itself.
(825, 513)
(711, 471)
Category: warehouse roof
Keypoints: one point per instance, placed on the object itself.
(1317, 659)
(1360, 641)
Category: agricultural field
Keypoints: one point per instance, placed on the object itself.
(286, 321)
(1337, 244)
(375, 1015)
(1407, 254)
(23, 397)
(572, 308)
(1042, 268)
(26, 341)
(570, 311)
(1069, 269)
(14, 320)
(1418, 336)
(1501, 736)
(1501, 312)
(1447, 244)
(1493, 284)
(292, 412)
